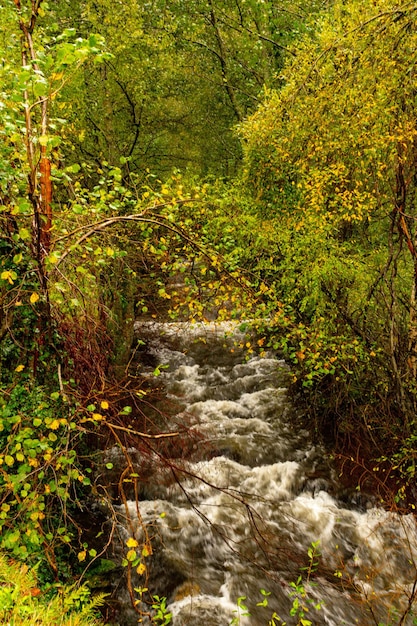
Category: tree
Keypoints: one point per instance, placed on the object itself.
(331, 162)
(181, 77)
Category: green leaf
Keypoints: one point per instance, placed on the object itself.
(24, 234)
(40, 88)
(73, 169)
(126, 410)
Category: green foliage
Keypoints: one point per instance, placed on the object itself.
(36, 68)
(182, 74)
(301, 603)
(241, 611)
(22, 603)
(40, 474)
(330, 163)
(342, 163)
(315, 242)
(156, 609)
(161, 614)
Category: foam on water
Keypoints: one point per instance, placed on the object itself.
(245, 518)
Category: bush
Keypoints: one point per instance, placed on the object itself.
(23, 604)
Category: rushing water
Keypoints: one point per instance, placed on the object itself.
(241, 513)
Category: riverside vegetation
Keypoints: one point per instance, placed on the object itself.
(265, 152)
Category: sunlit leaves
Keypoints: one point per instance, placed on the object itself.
(323, 158)
(9, 276)
(34, 440)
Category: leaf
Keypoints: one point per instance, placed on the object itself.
(19, 368)
(147, 551)
(141, 569)
(104, 404)
(126, 410)
(73, 169)
(40, 88)
(34, 297)
(23, 206)
(24, 233)
(53, 258)
(68, 33)
(9, 275)
(82, 555)
(131, 543)
(131, 555)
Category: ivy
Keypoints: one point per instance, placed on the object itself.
(39, 471)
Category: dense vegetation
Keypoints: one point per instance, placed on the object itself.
(267, 152)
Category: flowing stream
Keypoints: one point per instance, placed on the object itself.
(240, 512)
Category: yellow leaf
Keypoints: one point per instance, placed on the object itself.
(104, 404)
(54, 425)
(147, 550)
(97, 416)
(141, 569)
(82, 555)
(19, 368)
(7, 275)
(34, 298)
(131, 543)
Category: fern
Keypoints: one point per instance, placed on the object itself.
(23, 604)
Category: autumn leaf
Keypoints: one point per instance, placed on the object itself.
(9, 276)
(82, 556)
(141, 569)
(131, 543)
(147, 550)
(35, 592)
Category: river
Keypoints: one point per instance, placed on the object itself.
(239, 512)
